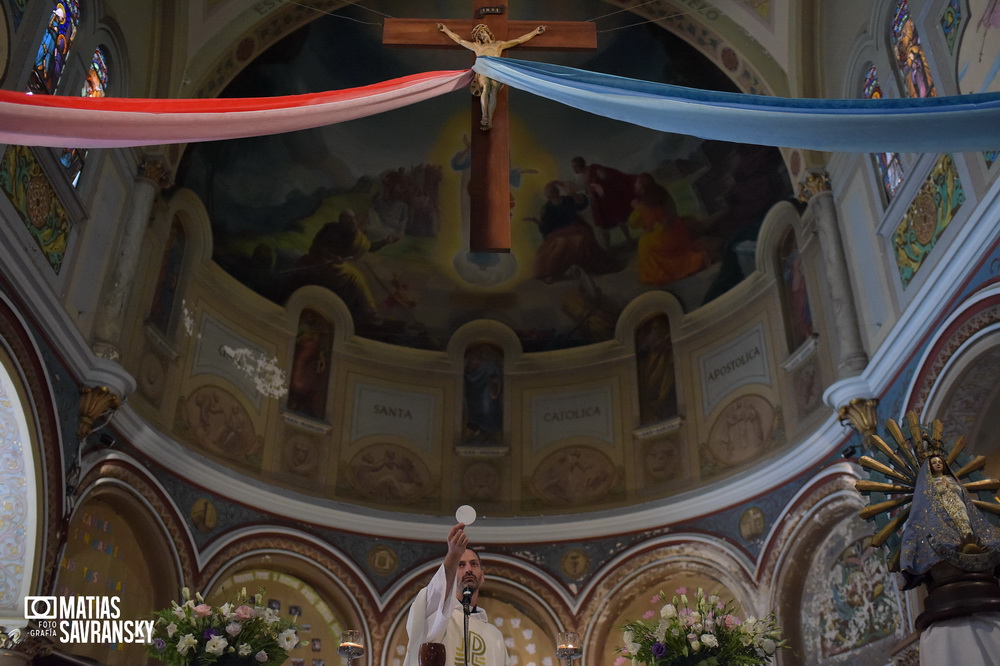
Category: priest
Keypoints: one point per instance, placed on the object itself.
(446, 611)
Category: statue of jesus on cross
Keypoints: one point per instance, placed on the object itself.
(489, 190)
(484, 44)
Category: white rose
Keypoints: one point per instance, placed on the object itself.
(216, 645)
(288, 639)
(668, 611)
(710, 640)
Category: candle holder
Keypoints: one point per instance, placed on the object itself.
(351, 646)
(568, 646)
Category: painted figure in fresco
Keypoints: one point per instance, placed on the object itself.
(654, 356)
(794, 283)
(389, 206)
(566, 239)
(310, 375)
(331, 263)
(436, 614)
(943, 525)
(484, 44)
(484, 395)
(666, 251)
(610, 193)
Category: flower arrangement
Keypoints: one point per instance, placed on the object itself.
(237, 632)
(708, 633)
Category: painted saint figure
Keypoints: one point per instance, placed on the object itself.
(610, 192)
(566, 239)
(484, 44)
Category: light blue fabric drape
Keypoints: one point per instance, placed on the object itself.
(935, 125)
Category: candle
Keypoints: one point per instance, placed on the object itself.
(349, 645)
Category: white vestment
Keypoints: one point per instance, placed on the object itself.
(436, 617)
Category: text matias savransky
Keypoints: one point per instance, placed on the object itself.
(85, 619)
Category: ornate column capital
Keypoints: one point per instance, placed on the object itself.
(153, 169)
(811, 184)
(95, 402)
(862, 415)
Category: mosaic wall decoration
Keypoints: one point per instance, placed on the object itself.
(849, 600)
(27, 187)
(928, 216)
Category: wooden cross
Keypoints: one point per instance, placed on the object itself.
(490, 178)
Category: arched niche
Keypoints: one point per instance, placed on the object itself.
(31, 448)
(116, 545)
(835, 599)
(296, 570)
(966, 397)
(22, 517)
(626, 589)
(524, 605)
(956, 380)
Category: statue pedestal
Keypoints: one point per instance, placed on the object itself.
(954, 593)
(971, 640)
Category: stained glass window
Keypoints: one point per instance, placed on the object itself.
(97, 76)
(911, 61)
(889, 168)
(53, 52)
(95, 86)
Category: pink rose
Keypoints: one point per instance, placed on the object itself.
(202, 610)
(244, 612)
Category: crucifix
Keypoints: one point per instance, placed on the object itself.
(490, 178)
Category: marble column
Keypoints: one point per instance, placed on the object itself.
(151, 178)
(851, 355)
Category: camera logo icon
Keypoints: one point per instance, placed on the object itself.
(40, 608)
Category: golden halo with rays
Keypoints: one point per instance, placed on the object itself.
(891, 490)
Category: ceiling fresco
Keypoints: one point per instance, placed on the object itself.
(376, 209)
